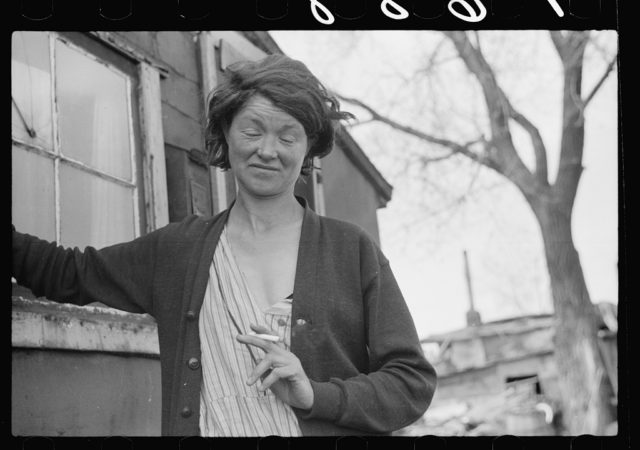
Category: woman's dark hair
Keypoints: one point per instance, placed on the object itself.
(290, 86)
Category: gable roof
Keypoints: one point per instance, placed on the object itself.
(511, 325)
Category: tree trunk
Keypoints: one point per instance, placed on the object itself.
(586, 394)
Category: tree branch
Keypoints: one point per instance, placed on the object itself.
(558, 40)
(571, 46)
(600, 82)
(478, 66)
(431, 63)
(500, 111)
(453, 146)
(539, 149)
(572, 140)
(359, 123)
(435, 159)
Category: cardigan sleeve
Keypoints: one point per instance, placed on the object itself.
(400, 383)
(119, 276)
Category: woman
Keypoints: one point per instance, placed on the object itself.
(336, 351)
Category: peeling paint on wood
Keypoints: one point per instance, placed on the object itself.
(153, 146)
(42, 324)
(132, 52)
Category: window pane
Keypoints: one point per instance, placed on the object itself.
(32, 194)
(93, 113)
(94, 211)
(31, 88)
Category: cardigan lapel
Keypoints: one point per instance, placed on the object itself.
(199, 269)
(305, 290)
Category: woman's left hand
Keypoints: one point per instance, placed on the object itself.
(281, 369)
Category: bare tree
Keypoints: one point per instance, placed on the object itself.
(586, 397)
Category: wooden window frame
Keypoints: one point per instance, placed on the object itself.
(35, 324)
(150, 73)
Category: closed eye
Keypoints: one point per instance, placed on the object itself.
(250, 133)
(288, 140)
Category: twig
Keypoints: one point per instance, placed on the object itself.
(600, 81)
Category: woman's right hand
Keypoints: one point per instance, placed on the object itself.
(279, 370)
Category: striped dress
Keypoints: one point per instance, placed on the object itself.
(228, 406)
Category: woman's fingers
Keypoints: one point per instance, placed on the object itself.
(259, 370)
(261, 329)
(256, 341)
(279, 373)
(275, 375)
(265, 332)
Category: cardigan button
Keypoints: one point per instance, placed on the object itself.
(301, 322)
(191, 315)
(193, 363)
(186, 412)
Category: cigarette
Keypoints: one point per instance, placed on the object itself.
(266, 337)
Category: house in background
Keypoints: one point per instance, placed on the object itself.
(108, 145)
(495, 378)
(499, 377)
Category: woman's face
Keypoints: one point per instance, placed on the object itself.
(267, 147)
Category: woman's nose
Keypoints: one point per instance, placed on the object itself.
(267, 148)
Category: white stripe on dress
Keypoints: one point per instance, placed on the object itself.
(228, 407)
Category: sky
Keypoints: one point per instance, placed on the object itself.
(457, 207)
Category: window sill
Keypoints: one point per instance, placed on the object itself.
(43, 324)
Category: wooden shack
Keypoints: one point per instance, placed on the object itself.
(108, 144)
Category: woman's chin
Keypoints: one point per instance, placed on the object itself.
(267, 189)
(265, 192)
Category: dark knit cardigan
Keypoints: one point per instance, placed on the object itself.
(351, 329)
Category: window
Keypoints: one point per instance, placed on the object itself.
(76, 154)
(524, 384)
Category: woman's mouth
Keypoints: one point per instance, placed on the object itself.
(264, 167)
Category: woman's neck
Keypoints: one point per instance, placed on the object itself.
(263, 215)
